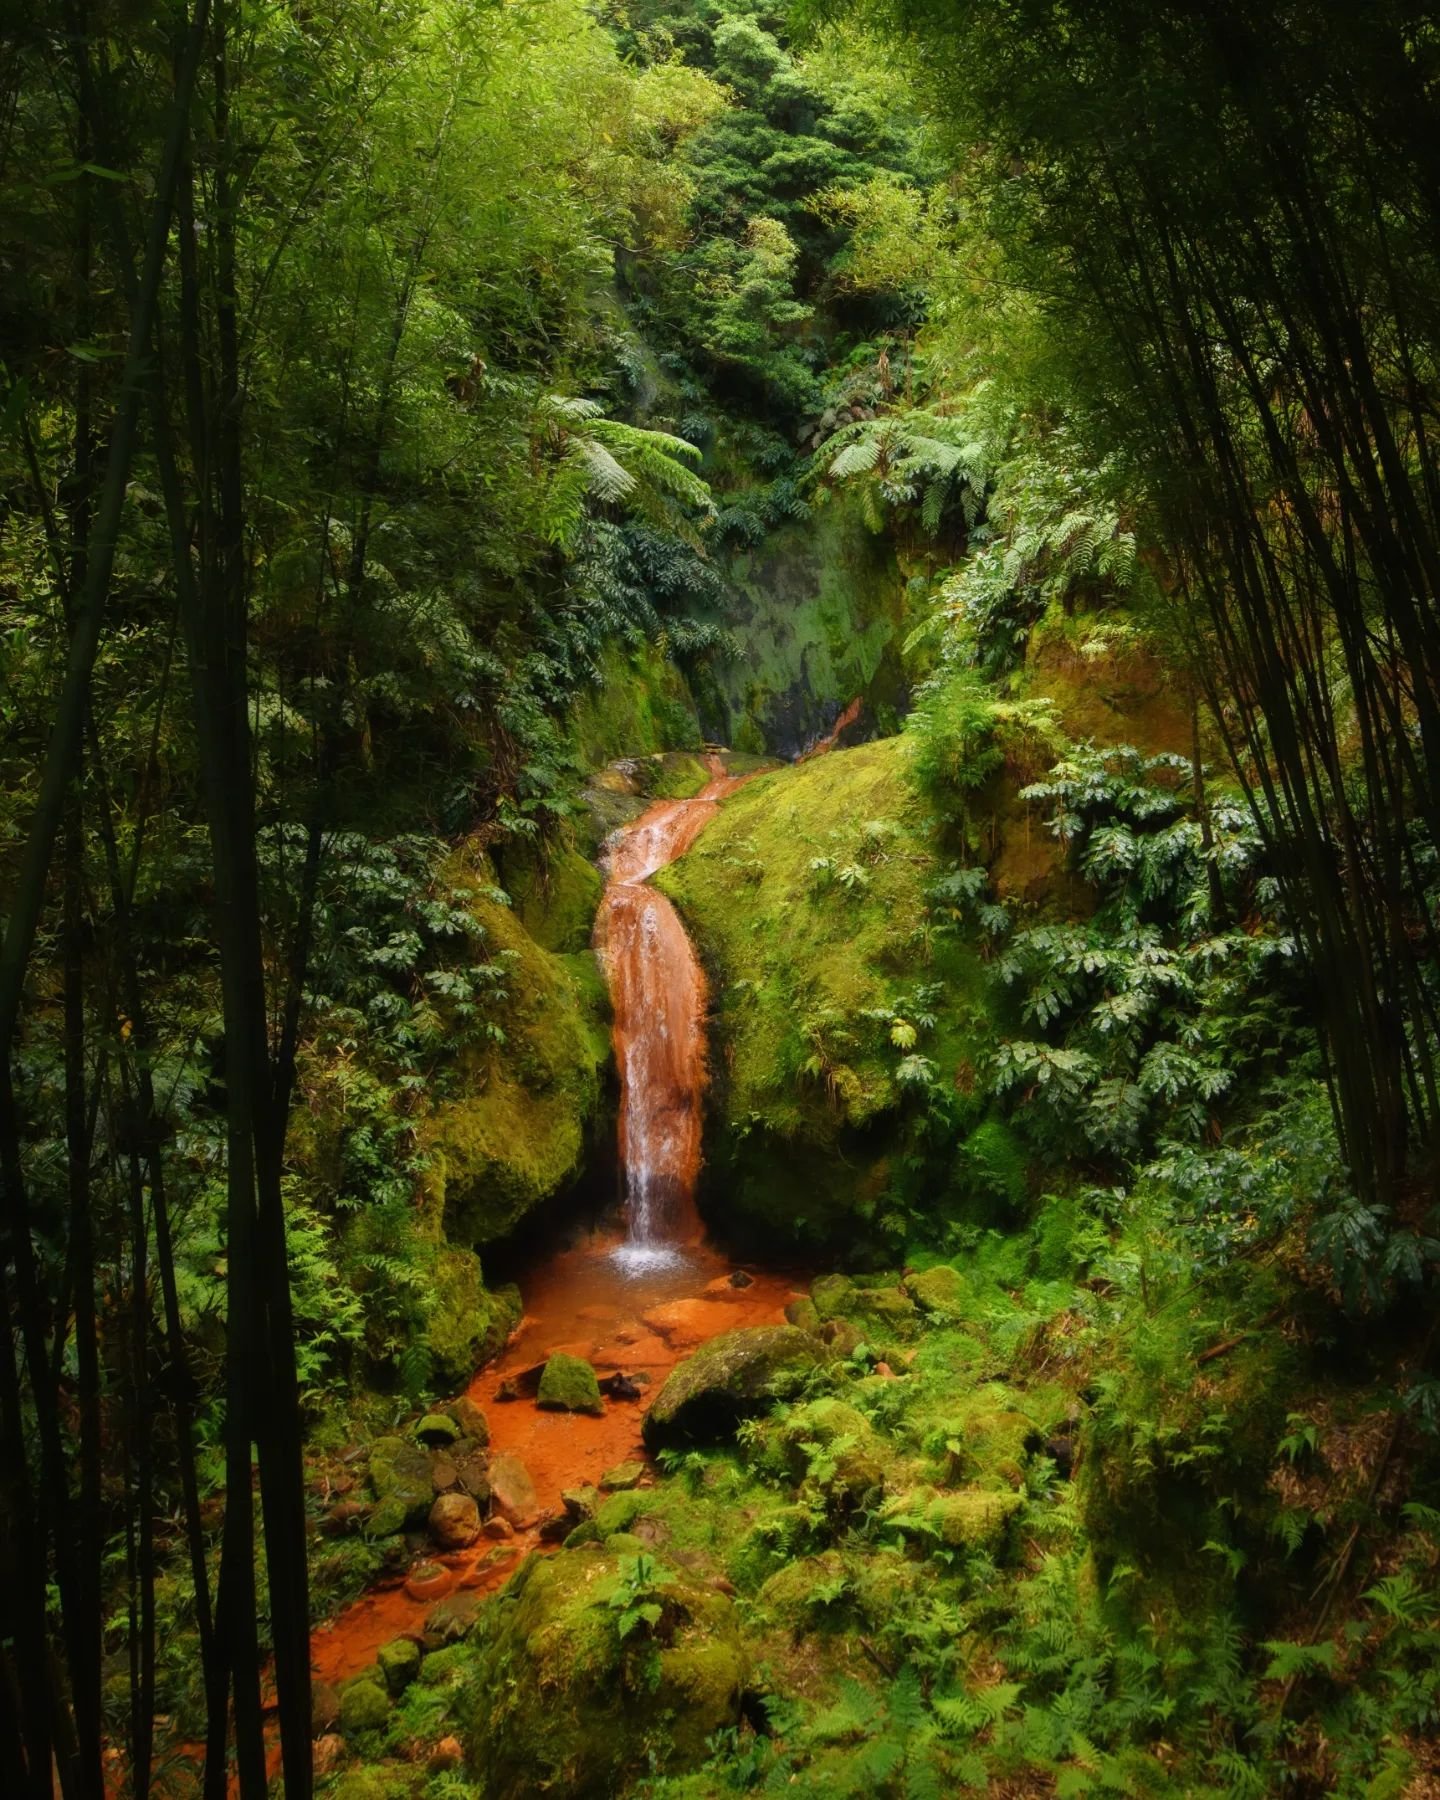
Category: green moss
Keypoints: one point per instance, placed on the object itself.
(731, 1377)
(641, 705)
(568, 1384)
(520, 1135)
(561, 1704)
(441, 1668)
(465, 1322)
(817, 609)
(399, 1663)
(364, 1704)
(555, 899)
(813, 967)
(941, 1290)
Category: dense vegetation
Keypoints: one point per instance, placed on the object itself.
(423, 427)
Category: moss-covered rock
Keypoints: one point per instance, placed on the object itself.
(556, 897)
(560, 1704)
(399, 1663)
(731, 1377)
(623, 1476)
(973, 1519)
(389, 1783)
(400, 1477)
(466, 1323)
(800, 1592)
(441, 1668)
(941, 1290)
(808, 897)
(519, 1135)
(471, 1419)
(364, 1704)
(436, 1429)
(568, 1384)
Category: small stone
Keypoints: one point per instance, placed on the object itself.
(499, 1528)
(555, 1529)
(327, 1753)
(444, 1475)
(884, 1370)
(455, 1521)
(620, 1387)
(623, 1476)
(399, 1663)
(568, 1384)
(509, 1389)
(451, 1620)
(346, 1516)
(471, 1420)
(364, 1704)
(512, 1492)
(437, 1428)
(447, 1754)
(579, 1503)
(472, 1474)
(739, 1279)
(429, 1581)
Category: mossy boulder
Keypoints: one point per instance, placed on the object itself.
(830, 1446)
(387, 1783)
(466, 1323)
(399, 1663)
(364, 1704)
(941, 1290)
(808, 898)
(973, 1519)
(519, 1135)
(443, 1668)
(800, 1592)
(555, 896)
(471, 1420)
(803, 1313)
(437, 1429)
(728, 1379)
(400, 1476)
(568, 1384)
(560, 1704)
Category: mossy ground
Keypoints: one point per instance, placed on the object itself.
(807, 897)
(1039, 1553)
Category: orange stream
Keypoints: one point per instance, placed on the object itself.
(636, 1306)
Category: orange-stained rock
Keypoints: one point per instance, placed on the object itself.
(454, 1521)
(512, 1492)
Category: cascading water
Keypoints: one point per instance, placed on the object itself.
(657, 990)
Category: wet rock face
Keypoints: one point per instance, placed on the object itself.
(728, 1379)
(560, 1704)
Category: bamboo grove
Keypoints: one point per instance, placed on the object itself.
(1228, 217)
(235, 236)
